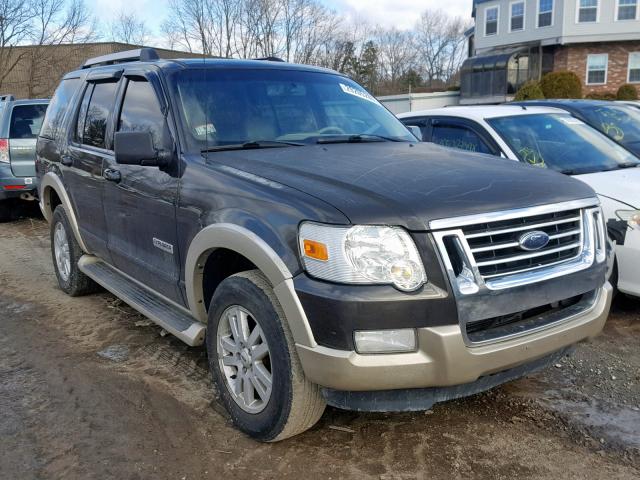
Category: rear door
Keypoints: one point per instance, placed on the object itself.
(24, 125)
(140, 201)
(84, 158)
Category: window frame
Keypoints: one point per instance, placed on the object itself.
(617, 12)
(486, 10)
(524, 15)
(606, 68)
(483, 134)
(538, 12)
(578, 8)
(629, 67)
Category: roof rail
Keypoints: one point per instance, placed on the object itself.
(6, 97)
(137, 55)
(270, 59)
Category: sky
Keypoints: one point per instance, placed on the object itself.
(400, 13)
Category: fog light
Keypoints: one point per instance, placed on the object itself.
(385, 341)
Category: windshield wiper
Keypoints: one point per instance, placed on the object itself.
(254, 145)
(360, 138)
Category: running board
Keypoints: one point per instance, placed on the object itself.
(169, 316)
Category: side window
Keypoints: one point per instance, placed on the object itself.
(141, 112)
(57, 107)
(417, 122)
(26, 121)
(95, 123)
(458, 136)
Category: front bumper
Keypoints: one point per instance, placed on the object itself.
(444, 359)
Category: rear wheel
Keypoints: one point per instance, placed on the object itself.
(254, 363)
(66, 252)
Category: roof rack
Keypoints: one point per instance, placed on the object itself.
(137, 55)
(270, 59)
(6, 97)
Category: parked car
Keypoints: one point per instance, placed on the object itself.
(617, 121)
(552, 138)
(329, 257)
(20, 122)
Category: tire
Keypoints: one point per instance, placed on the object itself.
(294, 403)
(71, 280)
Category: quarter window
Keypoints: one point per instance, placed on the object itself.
(587, 11)
(101, 103)
(627, 9)
(141, 112)
(460, 137)
(545, 13)
(634, 67)
(597, 69)
(517, 16)
(491, 21)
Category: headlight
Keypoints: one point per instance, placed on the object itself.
(362, 255)
(632, 217)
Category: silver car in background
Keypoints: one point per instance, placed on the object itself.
(20, 122)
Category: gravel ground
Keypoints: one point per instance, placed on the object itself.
(90, 389)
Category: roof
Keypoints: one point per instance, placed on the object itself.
(482, 112)
(31, 101)
(567, 104)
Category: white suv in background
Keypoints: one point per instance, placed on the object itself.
(546, 137)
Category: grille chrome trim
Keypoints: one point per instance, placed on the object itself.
(535, 226)
(524, 256)
(466, 276)
(456, 222)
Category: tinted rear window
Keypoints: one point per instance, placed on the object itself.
(26, 121)
(57, 108)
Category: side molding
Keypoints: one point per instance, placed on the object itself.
(255, 249)
(50, 182)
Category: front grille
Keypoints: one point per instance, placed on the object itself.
(496, 249)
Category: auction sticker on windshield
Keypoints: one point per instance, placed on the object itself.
(357, 93)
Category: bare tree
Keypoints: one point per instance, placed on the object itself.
(15, 28)
(397, 54)
(127, 28)
(441, 42)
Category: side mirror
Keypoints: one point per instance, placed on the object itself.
(416, 131)
(136, 148)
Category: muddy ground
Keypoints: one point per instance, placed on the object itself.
(91, 390)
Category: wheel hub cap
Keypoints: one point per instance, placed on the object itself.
(244, 359)
(61, 251)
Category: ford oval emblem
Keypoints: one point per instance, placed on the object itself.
(533, 240)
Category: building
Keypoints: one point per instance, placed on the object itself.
(34, 71)
(518, 40)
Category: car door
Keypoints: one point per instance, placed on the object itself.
(84, 159)
(140, 201)
(461, 134)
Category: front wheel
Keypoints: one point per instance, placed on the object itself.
(254, 363)
(66, 252)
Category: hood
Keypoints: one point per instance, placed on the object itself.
(405, 184)
(620, 185)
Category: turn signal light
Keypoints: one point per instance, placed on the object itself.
(316, 250)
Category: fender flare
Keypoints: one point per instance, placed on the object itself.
(255, 249)
(51, 181)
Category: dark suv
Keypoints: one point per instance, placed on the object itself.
(281, 215)
(20, 122)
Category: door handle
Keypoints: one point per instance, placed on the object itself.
(112, 175)
(66, 160)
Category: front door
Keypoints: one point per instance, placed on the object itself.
(140, 201)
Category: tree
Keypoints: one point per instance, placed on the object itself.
(15, 28)
(126, 28)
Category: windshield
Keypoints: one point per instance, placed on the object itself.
(241, 106)
(620, 122)
(561, 142)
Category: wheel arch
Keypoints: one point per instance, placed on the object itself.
(247, 244)
(52, 193)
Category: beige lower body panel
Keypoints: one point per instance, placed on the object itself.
(443, 359)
